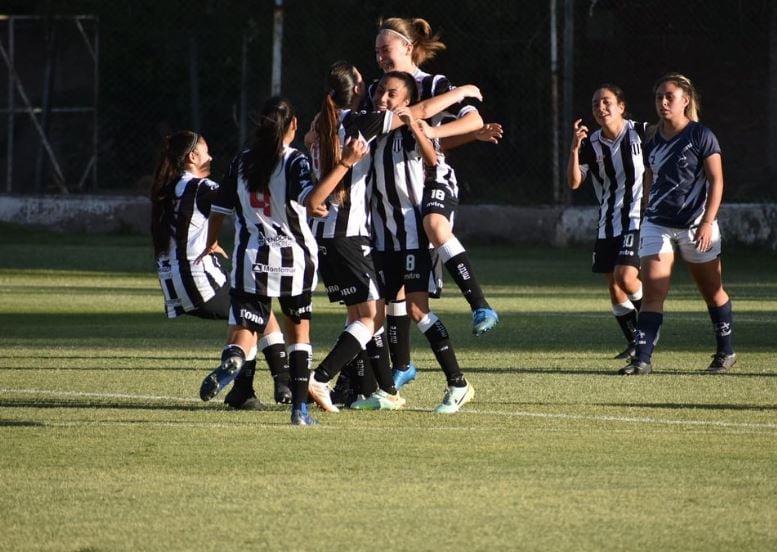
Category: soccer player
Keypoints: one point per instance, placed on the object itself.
(611, 157)
(343, 229)
(398, 171)
(275, 252)
(404, 45)
(181, 197)
(685, 187)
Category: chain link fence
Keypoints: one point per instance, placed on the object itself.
(204, 64)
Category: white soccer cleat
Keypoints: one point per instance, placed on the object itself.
(454, 399)
(320, 392)
(379, 400)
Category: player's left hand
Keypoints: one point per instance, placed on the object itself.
(703, 237)
(425, 129)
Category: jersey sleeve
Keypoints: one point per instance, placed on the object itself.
(706, 141)
(207, 190)
(370, 124)
(226, 197)
(441, 85)
(586, 157)
(300, 181)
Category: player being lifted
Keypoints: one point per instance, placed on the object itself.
(343, 228)
(404, 45)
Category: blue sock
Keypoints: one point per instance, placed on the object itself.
(723, 326)
(647, 334)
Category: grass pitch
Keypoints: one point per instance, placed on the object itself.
(105, 445)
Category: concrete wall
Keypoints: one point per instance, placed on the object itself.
(741, 224)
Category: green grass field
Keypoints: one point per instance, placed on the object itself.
(105, 445)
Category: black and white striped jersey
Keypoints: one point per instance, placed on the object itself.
(616, 168)
(352, 217)
(275, 252)
(186, 285)
(434, 85)
(397, 182)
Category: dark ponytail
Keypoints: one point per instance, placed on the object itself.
(173, 156)
(340, 83)
(267, 144)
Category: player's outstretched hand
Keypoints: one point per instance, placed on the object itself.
(490, 132)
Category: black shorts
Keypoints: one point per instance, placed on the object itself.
(348, 271)
(438, 198)
(622, 250)
(215, 308)
(253, 311)
(411, 268)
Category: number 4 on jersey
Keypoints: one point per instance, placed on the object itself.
(261, 200)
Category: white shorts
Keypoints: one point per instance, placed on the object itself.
(655, 239)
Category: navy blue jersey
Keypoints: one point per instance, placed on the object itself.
(678, 193)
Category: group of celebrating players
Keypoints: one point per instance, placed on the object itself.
(370, 209)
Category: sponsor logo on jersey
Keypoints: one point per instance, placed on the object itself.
(263, 268)
(279, 241)
(412, 276)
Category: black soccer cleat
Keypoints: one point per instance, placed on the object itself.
(282, 392)
(243, 399)
(636, 368)
(629, 353)
(721, 362)
(219, 378)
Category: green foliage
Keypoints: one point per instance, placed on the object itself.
(107, 447)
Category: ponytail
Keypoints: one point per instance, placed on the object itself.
(266, 148)
(173, 155)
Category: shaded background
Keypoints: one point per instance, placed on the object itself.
(135, 70)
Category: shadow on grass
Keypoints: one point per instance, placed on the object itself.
(120, 405)
(9, 423)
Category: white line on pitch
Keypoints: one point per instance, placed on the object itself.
(519, 414)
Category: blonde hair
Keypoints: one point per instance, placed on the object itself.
(693, 109)
(418, 32)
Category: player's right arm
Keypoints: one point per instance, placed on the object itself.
(574, 172)
(353, 151)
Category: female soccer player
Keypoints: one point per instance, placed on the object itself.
(685, 186)
(275, 252)
(343, 231)
(181, 197)
(404, 45)
(398, 169)
(612, 158)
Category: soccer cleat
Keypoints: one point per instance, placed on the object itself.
(342, 396)
(483, 320)
(636, 368)
(403, 377)
(240, 399)
(300, 416)
(629, 353)
(379, 400)
(319, 391)
(721, 362)
(219, 378)
(282, 392)
(454, 399)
